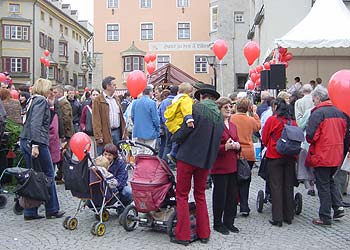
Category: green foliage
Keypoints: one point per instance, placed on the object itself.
(14, 129)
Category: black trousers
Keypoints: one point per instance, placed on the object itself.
(282, 179)
(243, 189)
(224, 198)
(328, 191)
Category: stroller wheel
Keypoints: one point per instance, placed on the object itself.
(98, 228)
(129, 218)
(17, 209)
(105, 216)
(3, 201)
(171, 224)
(260, 201)
(70, 223)
(298, 199)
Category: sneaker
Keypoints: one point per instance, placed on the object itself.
(245, 214)
(319, 222)
(339, 213)
(171, 158)
(221, 229)
(311, 192)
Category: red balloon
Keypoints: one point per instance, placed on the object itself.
(282, 50)
(267, 66)
(287, 57)
(136, 82)
(254, 77)
(251, 71)
(80, 143)
(258, 82)
(251, 85)
(46, 52)
(251, 52)
(152, 57)
(339, 90)
(86, 89)
(286, 63)
(42, 60)
(14, 94)
(259, 68)
(2, 77)
(220, 48)
(47, 62)
(147, 58)
(272, 62)
(151, 68)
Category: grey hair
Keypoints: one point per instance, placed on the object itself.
(320, 92)
(147, 90)
(307, 88)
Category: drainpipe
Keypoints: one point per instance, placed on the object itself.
(33, 41)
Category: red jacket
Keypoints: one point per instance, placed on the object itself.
(325, 132)
(272, 131)
(226, 161)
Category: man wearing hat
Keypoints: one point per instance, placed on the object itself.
(198, 148)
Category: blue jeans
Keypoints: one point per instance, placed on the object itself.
(47, 167)
(126, 195)
(116, 136)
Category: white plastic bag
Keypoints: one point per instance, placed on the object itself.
(346, 164)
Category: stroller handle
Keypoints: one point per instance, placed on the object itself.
(135, 144)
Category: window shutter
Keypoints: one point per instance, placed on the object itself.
(8, 64)
(24, 65)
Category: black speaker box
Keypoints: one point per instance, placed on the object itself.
(265, 79)
(278, 76)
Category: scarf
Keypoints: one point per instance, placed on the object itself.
(211, 111)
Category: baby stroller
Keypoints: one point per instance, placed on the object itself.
(15, 172)
(153, 190)
(265, 197)
(87, 183)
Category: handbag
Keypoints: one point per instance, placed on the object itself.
(346, 164)
(243, 169)
(35, 184)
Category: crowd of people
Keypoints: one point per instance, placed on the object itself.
(201, 135)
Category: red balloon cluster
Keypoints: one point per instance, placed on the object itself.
(2, 77)
(80, 144)
(339, 90)
(44, 60)
(251, 52)
(220, 48)
(136, 82)
(149, 59)
(284, 56)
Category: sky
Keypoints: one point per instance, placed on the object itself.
(84, 7)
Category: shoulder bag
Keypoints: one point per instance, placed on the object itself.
(244, 171)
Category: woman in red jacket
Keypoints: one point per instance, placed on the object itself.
(281, 168)
(224, 174)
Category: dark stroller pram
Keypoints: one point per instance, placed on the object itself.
(87, 183)
(153, 190)
(265, 197)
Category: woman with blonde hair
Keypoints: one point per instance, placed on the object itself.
(34, 143)
(247, 123)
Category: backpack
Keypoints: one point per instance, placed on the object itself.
(290, 141)
(2, 119)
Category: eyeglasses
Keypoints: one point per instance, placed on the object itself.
(227, 107)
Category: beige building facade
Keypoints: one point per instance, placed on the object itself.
(30, 27)
(177, 31)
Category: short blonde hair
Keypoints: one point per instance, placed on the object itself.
(243, 104)
(102, 161)
(223, 101)
(41, 87)
(185, 87)
(284, 95)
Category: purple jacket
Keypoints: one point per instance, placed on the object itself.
(54, 141)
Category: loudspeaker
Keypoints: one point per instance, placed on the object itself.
(265, 79)
(278, 76)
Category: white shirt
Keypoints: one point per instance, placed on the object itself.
(114, 111)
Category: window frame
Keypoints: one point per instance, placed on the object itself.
(129, 63)
(203, 64)
(118, 32)
(178, 30)
(182, 3)
(112, 6)
(238, 14)
(22, 32)
(146, 6)
(152, 32)
(212, 29)
(12, 5)
(64, 49)
(161, 64)
(76, 57)
(24, 61)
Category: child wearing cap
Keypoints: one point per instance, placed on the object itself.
(178, 112)
(117, 167)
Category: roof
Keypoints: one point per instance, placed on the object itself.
(133, 51)
(169, 74)
(325, 26)
(15, 17)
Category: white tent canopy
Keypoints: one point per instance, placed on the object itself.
(326, 26)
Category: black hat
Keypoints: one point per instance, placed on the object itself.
(199, 85)
(206, 89)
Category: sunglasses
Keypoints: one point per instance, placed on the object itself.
(227, 107)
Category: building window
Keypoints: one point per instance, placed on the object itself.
(145, 3)
(133, 63)
(50, 44)
(61, 28)
(239, 17)
(73, 34)
(201, 65)
(80, 80)
(66, 31)
(112, 3)
(112, 32)
(42, 40)
(50, 21)
(62, 49)
(14, 8)
(76, 57)
(51, 73)
(214, 18)
(12, 32)
(19, 65)
(75, 79)
(162, 60)
(146, 31)
(42, 16)
(183, 31)
(182, 3)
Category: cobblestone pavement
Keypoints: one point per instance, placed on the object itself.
(256, 232)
